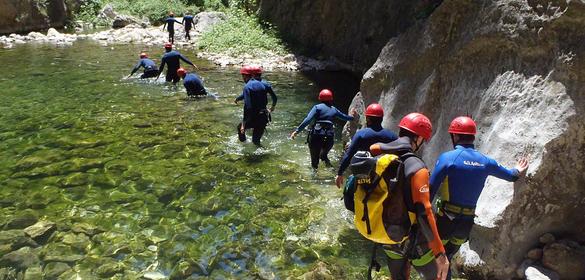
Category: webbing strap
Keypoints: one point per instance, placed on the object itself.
(373, 263)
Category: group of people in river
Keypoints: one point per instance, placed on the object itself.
(458, 177)
(187, 23)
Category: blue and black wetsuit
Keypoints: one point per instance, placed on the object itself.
(170, 23)
(256, 116)
(188, 22)
(321, 137)
(150, 70)
(173, 61)
(362, 140)
(194, 85)
(459, 178)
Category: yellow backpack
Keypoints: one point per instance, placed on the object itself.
(381, 212)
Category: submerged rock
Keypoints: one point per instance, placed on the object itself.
(40, 230)
(33, 273)
(567, 259)
(20, 259)
(109, 269)
(54, 269)
(21, 221)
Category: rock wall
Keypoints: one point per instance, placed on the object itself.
(19, 16)
(354, 32)
(518, 67)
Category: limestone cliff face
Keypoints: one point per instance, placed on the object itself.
(518, 67)
(18, 16)
(354, 32)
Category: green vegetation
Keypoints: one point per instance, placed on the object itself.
(240, 34)
(155, 11)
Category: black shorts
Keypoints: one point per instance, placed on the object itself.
(149, 74)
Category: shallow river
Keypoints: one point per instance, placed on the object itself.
(138, 178)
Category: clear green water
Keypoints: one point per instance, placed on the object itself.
(164, 177)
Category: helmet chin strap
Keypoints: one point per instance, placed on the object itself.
(453, 140)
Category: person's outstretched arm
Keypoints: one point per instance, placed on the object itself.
(310, 116)
(272, 96)
(510, 175)
(183, 58)
(164, 25)
(340, 115)
(136, 67)
(162, 66)
(419, 187)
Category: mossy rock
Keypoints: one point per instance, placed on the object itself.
(109, 270)
(55, 269)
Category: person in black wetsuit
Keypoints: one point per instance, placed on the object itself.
(256, 115)
(192, 83)
(188, 23)
(150, 70)
(322, 134)
(170, 24)
(172, 59)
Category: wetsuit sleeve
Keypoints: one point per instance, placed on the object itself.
(308, 119)
(178, 22)
(186, 60)
(342, 116)
(240, 98)
(272, 95)
(495, 169)
(419, 183)
(439, 174)
(136, 67)
(349, 153)
(182, 21)
(163, 61)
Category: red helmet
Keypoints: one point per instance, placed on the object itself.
(247, 70)
(418, 124)
(168, 46)
(181, 72)
(326, 95)
(463, 125)
(375, 110)
(256, 70)
(143, 55)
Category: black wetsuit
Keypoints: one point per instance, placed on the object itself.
(170, 23)
(150, 70)
(256, 116)
(194, 85)
(188, 21)
(172, 60)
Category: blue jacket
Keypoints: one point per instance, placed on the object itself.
(193, 84)
(255, 95)
(322, 112)
(464, 172)
(146, 63)
(362, 140)
(172, 59)
(170, 23)
(188, 21)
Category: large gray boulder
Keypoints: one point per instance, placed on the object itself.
(124, 20)
(519, 68)
(31, 15)
(205, 20)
